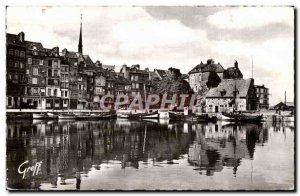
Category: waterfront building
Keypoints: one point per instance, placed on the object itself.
(139, 79)
(53, 92)
(230, 93)
(36, 75)
(201, 73)
(233, 72)
(15, 69)
(262, 94)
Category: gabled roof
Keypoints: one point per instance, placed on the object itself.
(162, 73)
(227, 87)
(88, 61)
(108, 67)
(210, 66)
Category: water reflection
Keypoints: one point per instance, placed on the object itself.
(72, 151)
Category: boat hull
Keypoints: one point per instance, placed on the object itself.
(39, 116)
(241, 117)
(66, 117)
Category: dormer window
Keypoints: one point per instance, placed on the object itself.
(223, 92)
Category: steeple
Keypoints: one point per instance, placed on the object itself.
(80, 37)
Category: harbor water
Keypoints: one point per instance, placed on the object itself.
(149, 155)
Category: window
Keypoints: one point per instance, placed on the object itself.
(56, 64)
(41, 62)
(22, 54)
(50, 63)
(35, 71)
(11, 52)
(210, 106)
(56, 82)
(35, 90)
(49, 92)
(9, 76)
(55, 92)
(9, 101)
(21, 65)
(66, 94)
(34, 80)
(16, 64)
(17, 52)
(30, 61)
(55, 72)
(10, 63)
(221, 106)
(27, 71)
(49, 72)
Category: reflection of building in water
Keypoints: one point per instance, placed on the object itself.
(71, 149)
(217, 146)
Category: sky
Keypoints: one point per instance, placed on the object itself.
(164, 36)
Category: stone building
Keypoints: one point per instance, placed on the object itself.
(139, 79)
(199, 75)
(233, 72)
(232, 94)
(36, 76)
(53, 93)
(15, 69)
(262, 94)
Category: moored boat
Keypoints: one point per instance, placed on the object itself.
(66, 116)
(52, 115)
(240, 117)
(150, 115)
(108, 115)
(206, 118)
(128, 115)
(176, 115)
(39, 116)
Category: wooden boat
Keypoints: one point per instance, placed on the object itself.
(66, 116)
(240, 117)
(176, 115)
(150, 115)
(128, 115)
(39, 116)
(108, 115)
(206, 118)
(83, 116)
(52, 115)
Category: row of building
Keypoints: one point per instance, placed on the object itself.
(43, 78)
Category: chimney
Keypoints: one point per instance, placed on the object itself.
(64, 52)
(285, 97)
(236, 64)
(55, 51)
(21, 36)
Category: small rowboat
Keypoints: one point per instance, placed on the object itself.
(240, 117)
(66, 116)
(39, 116)
(206, 118)
(150, 115)
(52, 115)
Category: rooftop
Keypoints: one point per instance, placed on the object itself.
(227, 88)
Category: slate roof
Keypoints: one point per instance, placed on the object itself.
(13, 39)
(162, 73)
(108, 67)
(88, 61)
(201, 68)
(228, 86)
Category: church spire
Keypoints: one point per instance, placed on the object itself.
(80, 37)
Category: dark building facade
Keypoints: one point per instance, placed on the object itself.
(262, 94)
